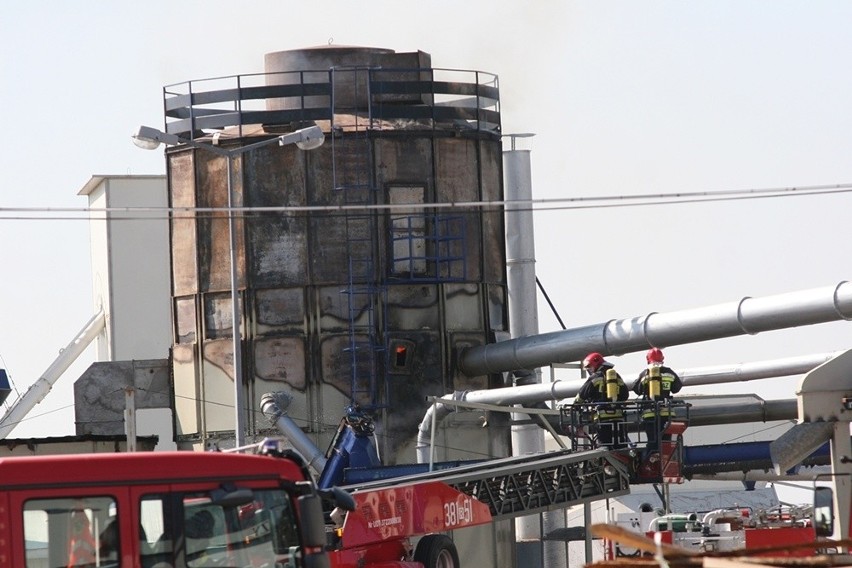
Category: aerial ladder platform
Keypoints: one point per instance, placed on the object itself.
(516, 486)
(510, 487)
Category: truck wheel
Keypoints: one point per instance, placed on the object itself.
(436, 551)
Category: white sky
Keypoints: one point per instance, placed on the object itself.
(624, 97)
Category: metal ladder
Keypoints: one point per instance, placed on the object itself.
(525, 485)
(352, 171)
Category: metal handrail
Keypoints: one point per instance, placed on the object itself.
(194, 108)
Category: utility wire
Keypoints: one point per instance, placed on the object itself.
(549, 204)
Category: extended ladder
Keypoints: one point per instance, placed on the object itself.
(519, 486)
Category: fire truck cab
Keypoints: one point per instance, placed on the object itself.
(160, 510)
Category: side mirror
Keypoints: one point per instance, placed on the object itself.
(338, 497)
(823, 518)
(311, 521)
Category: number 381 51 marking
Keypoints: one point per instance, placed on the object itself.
(456, 513)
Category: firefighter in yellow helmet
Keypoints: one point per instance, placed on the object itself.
(655, 385)
(603, 386)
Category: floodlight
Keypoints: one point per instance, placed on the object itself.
(305, 138)
(149, 138)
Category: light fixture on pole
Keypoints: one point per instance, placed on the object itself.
(149, 138)
(305, 139)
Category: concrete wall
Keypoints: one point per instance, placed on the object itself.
(131, 281)
(100, 397)
(130, 266)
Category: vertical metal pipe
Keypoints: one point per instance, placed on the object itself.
(432, 441)
(520, 277)
(239, 402)
(527, 438)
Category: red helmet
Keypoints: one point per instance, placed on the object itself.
(592, 362)
(654, 355)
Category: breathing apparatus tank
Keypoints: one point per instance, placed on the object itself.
(612, 385)
(654, 386)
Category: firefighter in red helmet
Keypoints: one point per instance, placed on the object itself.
(654, 355)
(603, 386)
(592, 362)
(655, 385)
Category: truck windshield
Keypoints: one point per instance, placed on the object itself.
(191, 529)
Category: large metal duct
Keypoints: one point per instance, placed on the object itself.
(719, 414)
(739, 413)
(724, 412)
(739, 372)
(749, 315)
(616, 337)
(753, 371)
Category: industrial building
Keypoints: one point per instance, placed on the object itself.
(370, 270)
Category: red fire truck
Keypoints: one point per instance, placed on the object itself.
(187, 509)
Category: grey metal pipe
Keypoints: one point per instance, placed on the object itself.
(755, 370)
(616, 337)
(697, 376)
(520, 244)
(558, 390)
(527, 438)
(274, 407)
(725, 412)
(738, 413)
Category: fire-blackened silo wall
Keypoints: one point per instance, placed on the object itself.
(358, 282)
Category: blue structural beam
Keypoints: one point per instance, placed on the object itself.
(355, 476)
(739, 457)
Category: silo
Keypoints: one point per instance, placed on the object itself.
(357, 281)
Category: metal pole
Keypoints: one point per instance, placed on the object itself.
(239, 402)
(130, 417)
(432, 440)
(527, 438)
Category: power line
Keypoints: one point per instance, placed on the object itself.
(547, 204)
